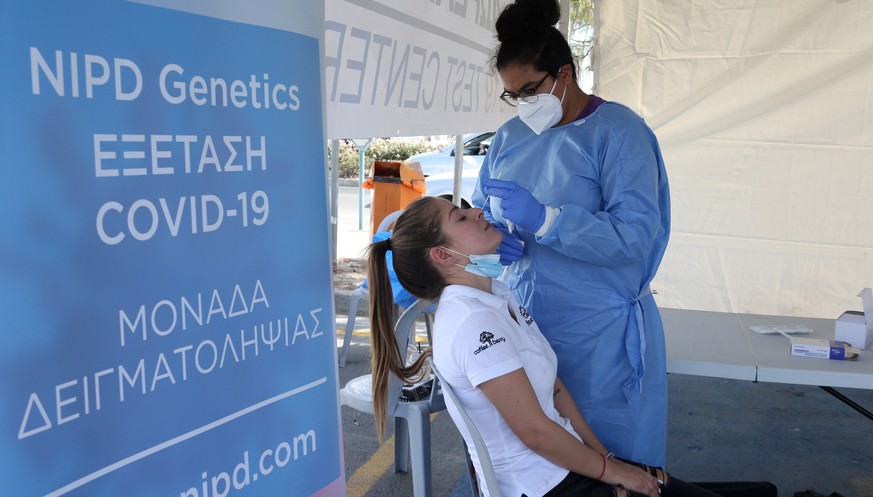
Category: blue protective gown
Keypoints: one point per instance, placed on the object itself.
(586, 281)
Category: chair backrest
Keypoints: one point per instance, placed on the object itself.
(388, 220)
(404, 332)
(488, 476)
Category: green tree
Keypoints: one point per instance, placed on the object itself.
(581, 31)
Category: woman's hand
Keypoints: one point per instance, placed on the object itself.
(630, 477)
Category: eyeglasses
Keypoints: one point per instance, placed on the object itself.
(528, 95)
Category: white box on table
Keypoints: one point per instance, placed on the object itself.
(851, 327)
(856, 327)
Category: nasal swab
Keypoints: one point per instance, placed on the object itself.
(506, 221)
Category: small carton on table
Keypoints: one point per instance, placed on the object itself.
(854, 327)
(823, 348)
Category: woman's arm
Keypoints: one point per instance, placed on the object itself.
(567, 408)
(514, 397)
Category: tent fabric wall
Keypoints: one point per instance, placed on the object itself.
(764, 110)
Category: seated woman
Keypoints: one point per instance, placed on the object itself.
(494, 357)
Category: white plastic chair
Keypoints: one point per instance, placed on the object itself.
(354, 299)
(411, 419)
(388, 221)
(360, 293)
(484, 485)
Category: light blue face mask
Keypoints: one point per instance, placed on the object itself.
(487, 265)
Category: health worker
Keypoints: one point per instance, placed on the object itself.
(579, 186)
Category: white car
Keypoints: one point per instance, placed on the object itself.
(442, 185)
(443, 160)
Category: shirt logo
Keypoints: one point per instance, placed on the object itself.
(525, 315)
(487, 339)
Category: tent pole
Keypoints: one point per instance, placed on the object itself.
(459, 169)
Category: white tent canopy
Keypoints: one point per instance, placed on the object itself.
(765, 116)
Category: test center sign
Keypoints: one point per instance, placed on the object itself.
(411, 67)
(165, 293)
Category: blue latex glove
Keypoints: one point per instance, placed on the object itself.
(519, 206)
(511, 248)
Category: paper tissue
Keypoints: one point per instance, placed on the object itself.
(856, 328)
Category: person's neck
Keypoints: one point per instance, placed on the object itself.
(576, 101)
(467, 278)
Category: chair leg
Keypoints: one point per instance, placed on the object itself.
(401, 445)
(420, 454)
(350, 327)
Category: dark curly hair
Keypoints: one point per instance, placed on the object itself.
(526, 34)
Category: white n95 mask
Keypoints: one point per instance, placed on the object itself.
(544, 113)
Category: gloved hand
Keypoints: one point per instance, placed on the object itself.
(511, 248)
(519, 206)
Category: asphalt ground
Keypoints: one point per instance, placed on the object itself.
(796, 437)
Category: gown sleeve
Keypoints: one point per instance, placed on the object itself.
(625, 227)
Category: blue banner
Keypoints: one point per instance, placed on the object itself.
(165, 294)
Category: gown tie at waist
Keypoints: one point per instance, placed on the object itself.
(635, 344)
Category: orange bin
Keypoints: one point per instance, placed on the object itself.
(394, 186)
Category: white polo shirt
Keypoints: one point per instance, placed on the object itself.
(475, 340)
